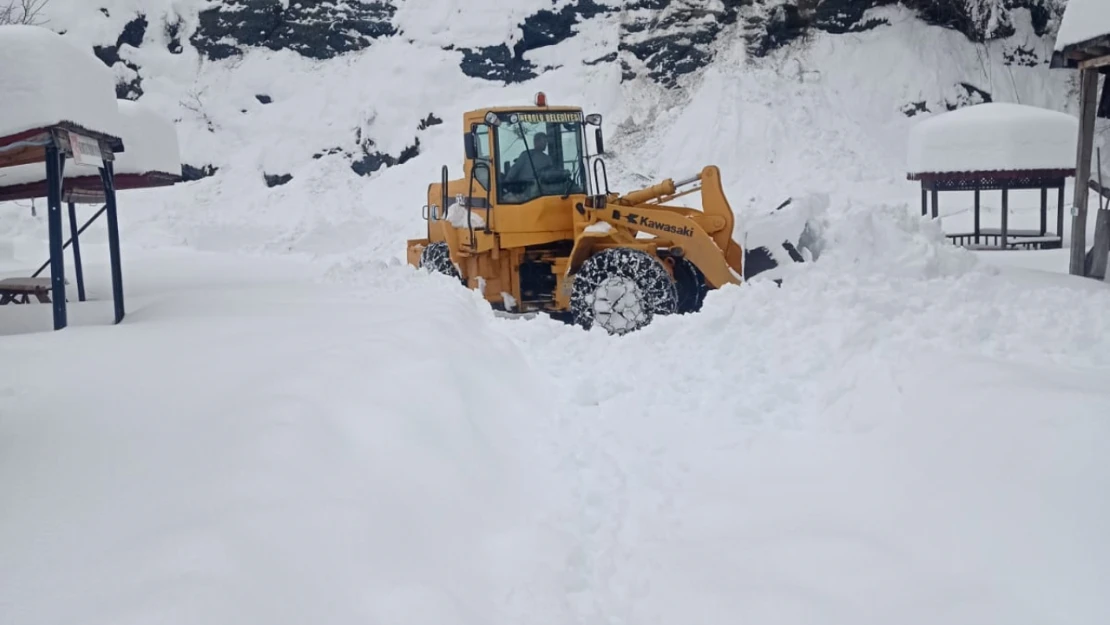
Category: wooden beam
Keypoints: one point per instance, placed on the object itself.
(1104, 101)
(1096, 62)
(1088, 90)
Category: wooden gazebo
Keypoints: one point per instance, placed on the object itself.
(58, 103)
(996, 147)
(1083, 43)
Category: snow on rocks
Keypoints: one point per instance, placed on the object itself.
(1083, 20)
(996, 136)
(45, 80)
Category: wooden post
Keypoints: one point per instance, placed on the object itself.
(977, 217)
(1088, 79)
(55, 170)
(924, 201)
(1044, 210)
(1060, 212)
(1005, 215)
(73, 237)
(1101, 248)
(936, 202)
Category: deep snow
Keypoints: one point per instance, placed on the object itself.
(992, 137)
(48, 79)
(292, 426)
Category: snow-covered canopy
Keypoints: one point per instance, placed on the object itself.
(995, 136)
(150, 146)
(45, 81)
(1083, 20)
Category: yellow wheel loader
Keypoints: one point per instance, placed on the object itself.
(533, 231)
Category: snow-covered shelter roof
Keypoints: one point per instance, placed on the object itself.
(994, 137)
(45, 82)
(1084, 33)
(151, 158)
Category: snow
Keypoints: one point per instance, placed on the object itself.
(601, 227)
(1083, 20)
(46, 80)
(463, 217)
(997, 136)
(150, 145)
(292, 426)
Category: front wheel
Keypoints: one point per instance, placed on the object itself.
(621, 290)
(437, 258)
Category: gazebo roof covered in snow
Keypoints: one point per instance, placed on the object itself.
(47, 84)
(1084, 33)
(151, 159)
(996, 139)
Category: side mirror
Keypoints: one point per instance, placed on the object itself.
(600, 142)
(594, 119)
(470, 145)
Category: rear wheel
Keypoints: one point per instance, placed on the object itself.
(621, 290)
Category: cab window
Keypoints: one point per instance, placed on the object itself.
(538, 155)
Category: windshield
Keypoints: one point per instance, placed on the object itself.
(539, 154)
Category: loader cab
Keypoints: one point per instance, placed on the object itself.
(530, 152)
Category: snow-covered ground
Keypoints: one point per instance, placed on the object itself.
(292, 426)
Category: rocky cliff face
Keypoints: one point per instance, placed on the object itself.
(661, 40)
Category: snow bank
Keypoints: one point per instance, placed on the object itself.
(299, 454)
(150, 146)
(997, 136)
(46, 80)
(1083, 20)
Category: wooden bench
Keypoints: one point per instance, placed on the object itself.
(20, 290)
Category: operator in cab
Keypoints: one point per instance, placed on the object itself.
(522, 169)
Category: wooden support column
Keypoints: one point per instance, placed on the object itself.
(1005, 216)
(977, 225)
(1060, 213)
(1088, 90)
(1044, 211)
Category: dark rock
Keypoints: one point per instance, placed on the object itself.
(913, 108)
(173, 33)
(541, 29)
(846, 16)
(277, 180)
(971, 95)
(429, 121)
(189, 173)
(608, 58)
(1021, 55)
(328, 152)
(318, 29)
(672, 37)
(263, 98)
(497, 63)
(132, 35)
(373, 160)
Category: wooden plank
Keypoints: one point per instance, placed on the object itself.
(1095, 63)
(23, 156)
(1088, 80)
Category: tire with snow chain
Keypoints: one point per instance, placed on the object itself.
(691, 286)
(437, 258)
(621, 290)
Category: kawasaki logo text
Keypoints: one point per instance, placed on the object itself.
(684, 231)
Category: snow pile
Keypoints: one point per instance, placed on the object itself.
(284, 462)
(45, 80)
(1083, 20)
(150, 146)
(997, 136)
